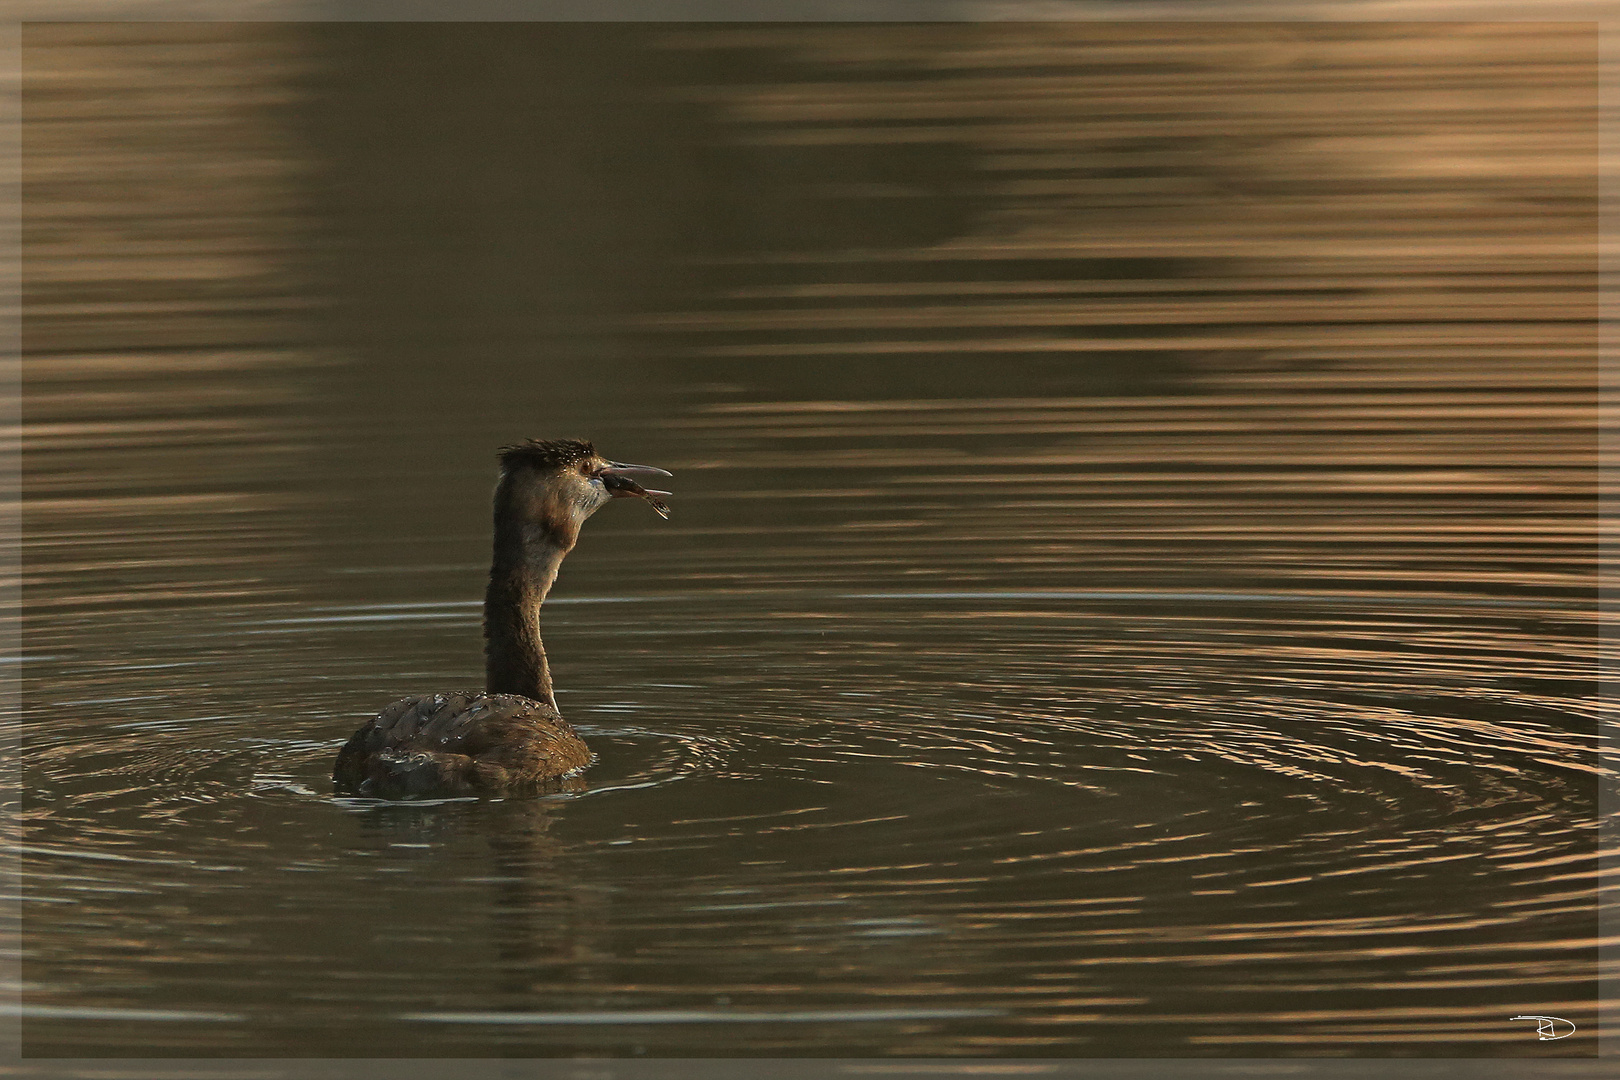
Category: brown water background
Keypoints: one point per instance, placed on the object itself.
(1131, 589)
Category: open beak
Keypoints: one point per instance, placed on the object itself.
(621, 482)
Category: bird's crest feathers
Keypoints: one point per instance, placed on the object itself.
(546, 453)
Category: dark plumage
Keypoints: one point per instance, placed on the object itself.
(466, 743)
(509, 739)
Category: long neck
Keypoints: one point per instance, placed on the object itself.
(525, 565)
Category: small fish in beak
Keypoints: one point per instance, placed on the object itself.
(620, 482)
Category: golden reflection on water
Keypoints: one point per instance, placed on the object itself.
(165, 209)
(1178, 438)
(1359, 256)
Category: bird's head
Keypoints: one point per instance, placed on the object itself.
(556, 484)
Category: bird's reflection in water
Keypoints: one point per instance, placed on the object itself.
(543, 929)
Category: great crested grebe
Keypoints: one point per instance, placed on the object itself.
(510, 738)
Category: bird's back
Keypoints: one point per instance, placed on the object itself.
(468, 743)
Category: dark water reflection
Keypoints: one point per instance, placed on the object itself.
(1131, 589)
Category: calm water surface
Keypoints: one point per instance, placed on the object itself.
(1130, 592)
